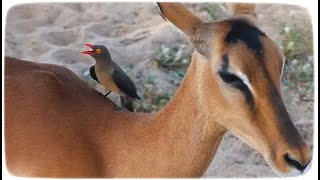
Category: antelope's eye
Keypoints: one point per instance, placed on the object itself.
(229, 78)
(98, 51)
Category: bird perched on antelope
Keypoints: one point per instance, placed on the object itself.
(111, 76)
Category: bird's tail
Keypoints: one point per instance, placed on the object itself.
(127, 102)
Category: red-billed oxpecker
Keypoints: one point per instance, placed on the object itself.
(111, 76)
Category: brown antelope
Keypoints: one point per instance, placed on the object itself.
(56, 125)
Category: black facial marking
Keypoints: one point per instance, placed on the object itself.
(234, 81)
(247, 93)
(242, 31)
(284, 121)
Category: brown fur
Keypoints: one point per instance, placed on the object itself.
(56, 131)
(239, 9)
(58, 126)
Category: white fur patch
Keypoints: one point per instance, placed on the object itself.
(244, 79)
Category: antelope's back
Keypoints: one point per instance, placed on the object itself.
(42, 123)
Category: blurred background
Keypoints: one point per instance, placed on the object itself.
(155, 55)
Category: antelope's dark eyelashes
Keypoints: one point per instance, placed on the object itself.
(229, 78)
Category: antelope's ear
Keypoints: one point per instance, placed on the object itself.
(181, 17)
(243, 9)
(189, 23)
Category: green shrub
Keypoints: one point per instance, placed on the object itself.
(298, 50)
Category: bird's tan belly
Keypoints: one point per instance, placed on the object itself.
(108, 83)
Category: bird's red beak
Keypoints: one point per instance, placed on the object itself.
(88, 52)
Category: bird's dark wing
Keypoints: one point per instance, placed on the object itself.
(124, 83)
(93, 74)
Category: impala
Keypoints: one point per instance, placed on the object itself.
(56, 125)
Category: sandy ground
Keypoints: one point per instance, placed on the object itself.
(55, 33)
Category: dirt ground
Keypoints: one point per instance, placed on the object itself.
(55, 33)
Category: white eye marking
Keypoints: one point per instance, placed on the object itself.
(244, 79)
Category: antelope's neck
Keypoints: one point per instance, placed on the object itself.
(179, 141)
(192, 136)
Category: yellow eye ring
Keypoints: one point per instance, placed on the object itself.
(98, 51)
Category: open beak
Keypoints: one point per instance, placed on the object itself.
(91, 52)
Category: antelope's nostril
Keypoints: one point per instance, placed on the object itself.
(295, 163)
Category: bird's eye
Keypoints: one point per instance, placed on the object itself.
(229, 78)
(98, 51)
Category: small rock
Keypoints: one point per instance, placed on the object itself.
(180, 53)
(307, 67)
(310, 58)
(286, 29)
(86, 73)
(294, 62)
(290, 45)
(185, 61)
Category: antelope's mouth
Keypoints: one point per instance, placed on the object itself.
(91, 52)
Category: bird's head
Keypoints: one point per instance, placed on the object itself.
(99, 52)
